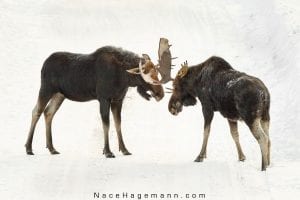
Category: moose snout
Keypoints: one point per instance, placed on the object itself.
(175, 108)
(158, 95)
(173, 111)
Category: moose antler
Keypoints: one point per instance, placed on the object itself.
(185, 64)
(169, 90)
(165, 60)
(183, 71)
(147, 70)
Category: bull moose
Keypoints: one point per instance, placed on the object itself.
(104, 75)
(236, 95)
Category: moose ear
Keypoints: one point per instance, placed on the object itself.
(146, 57)
(134, 71)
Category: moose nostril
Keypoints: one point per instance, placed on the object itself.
(173, 111)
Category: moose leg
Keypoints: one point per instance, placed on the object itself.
(116, 107)
(104, 112)
(262, 138)
(49, 113)
(265, 126)
(36, 113)
(208, 116)
(235, 135)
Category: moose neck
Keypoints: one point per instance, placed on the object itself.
(190, 79)
(135, 80)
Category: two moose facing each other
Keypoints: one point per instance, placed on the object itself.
(106, 75)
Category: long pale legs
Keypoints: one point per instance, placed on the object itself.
(235, 135)
(49, 113)
(263, 141)
(208, 116)
(36, 113)
(265, 126)
(116, 107)
(104, 112)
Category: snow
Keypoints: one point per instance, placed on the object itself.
(260, 38)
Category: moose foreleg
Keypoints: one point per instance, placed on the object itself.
(208, 116)
(116, 107)
(104, 112)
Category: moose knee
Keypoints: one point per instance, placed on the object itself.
(37, 111)
(235, 136)
(48, 114)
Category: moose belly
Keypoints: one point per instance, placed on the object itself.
(228, 110)
(79, 92)
(80, 96)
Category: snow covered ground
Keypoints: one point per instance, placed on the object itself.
(261, 38)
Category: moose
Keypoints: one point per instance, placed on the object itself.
(236, 95)
(104, 75)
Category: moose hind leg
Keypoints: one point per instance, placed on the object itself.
(36, 113)
(49, 113)
(265, 126)
(104, 112)
(262, 139)
(235, 135)
(116, 107)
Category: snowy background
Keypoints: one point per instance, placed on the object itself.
(261, 38)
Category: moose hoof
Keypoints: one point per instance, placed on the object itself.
(54, 152)
(126, 153)
(242, 159)
(199, 159)
(109, 154)
(29, 150)
(29, 153)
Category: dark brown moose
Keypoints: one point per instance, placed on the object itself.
(236, 95)
(104, 75)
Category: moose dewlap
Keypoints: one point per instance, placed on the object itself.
(236, 95)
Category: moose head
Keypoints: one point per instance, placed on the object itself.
(180, 92)
(150, 72)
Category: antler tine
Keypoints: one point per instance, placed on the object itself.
(185, 64)
(169, 90)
